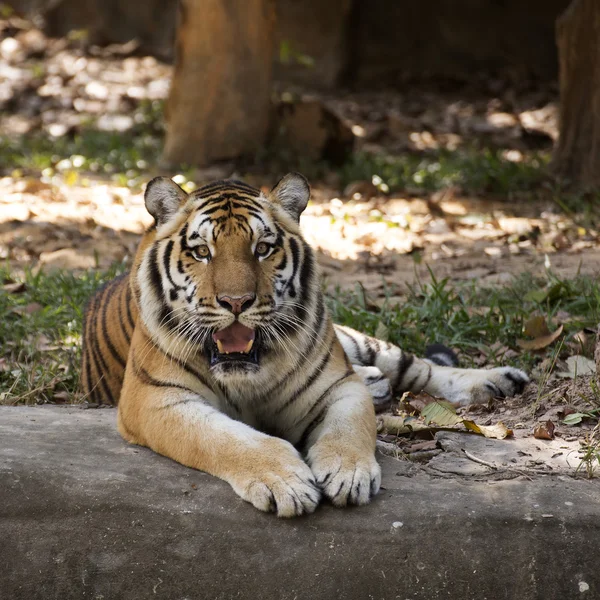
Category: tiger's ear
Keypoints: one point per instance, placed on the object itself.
(163, 197)
(292, 192)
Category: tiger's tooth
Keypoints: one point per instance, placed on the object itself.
(220, 346)
(248, 347)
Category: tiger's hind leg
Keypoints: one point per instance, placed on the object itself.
(433, 375)
(377, 383)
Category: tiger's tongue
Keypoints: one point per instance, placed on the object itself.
(235, 338)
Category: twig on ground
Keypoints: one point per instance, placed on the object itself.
(479, 460)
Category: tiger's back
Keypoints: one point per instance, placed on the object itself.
(108, 325)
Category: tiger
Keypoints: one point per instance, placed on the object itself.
(219, 351)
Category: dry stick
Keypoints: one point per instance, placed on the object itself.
(479, 460)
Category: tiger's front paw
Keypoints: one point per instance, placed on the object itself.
(278, 480)
(485, 384)
(344, 475)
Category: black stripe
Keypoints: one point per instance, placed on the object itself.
(98, 358)
(167, 263)
(126, 334)
(406, 361)
(370, 352)
(315, 337)
(185, 367)
(147, 379)
(359, 357)
(165, 317)
(128, 300)
(295, 250)
(307, 272)
(224, 184)
(313, 377)
(320, 404)
(97, 352)
(111, 347)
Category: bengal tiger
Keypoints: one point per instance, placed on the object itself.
(220, 352)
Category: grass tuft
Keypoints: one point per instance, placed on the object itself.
(483, 324)
(40, 334)
(475, 171)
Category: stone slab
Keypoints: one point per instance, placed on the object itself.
(85, 515)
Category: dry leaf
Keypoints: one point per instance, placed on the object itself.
(401, 425)
(537, 328)
(14, 288)
(441, 412)
(499, 431)
(577, 366)
(415, 404)
(28, 308)
(382, 332)
(566, 411)
(544, 431)
(61, 397)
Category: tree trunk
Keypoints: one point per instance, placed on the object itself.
(577, 154)
(218, 107)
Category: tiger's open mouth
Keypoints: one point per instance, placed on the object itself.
(234, 344)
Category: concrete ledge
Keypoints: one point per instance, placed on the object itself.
(84, 515)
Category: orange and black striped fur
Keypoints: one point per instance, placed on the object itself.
(220, 353)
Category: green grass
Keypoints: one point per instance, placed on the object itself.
(475, 170)
(40, 351)
(477, 322)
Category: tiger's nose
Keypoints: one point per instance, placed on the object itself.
(236, 304)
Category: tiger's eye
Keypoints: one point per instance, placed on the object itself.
(262, 249)
(202, 252)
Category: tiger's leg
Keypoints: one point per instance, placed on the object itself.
(378, 384)
(341, 448)
(169, 412)
(407, 373)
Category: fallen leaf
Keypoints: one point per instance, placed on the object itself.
(537, 328)
(28, 308)
(416, 404)
(440, 412)
(382, 332)
(43, 343)
(61, 397)
(566, 411)
(578, 365)
(14, 288)
(574, 418)
(401, 425)
(544, 431)
(499, 431)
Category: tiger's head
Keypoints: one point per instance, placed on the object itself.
(225, 273)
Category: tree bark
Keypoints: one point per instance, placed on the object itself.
(218, 107)
(577, 154)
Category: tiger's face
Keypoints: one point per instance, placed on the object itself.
(224, 271)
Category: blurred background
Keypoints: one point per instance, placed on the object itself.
(425, 128)
(449, 143)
